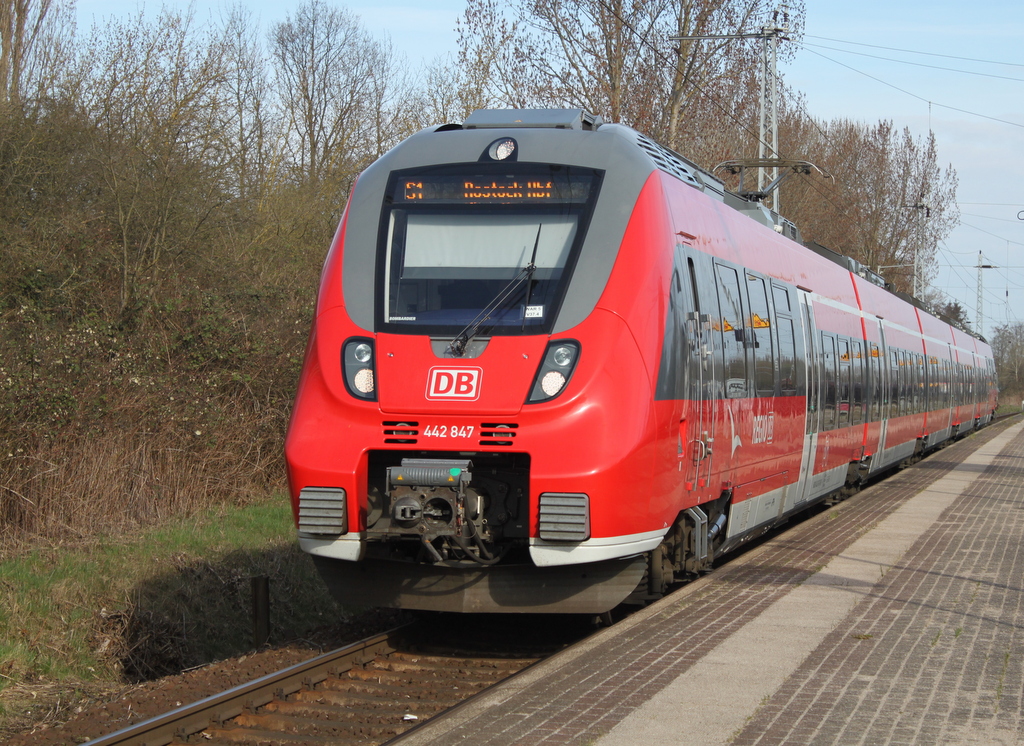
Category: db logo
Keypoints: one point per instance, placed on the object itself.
(454, 383)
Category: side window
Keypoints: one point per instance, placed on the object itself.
(781, 297)
(947, 375)
(857, 383)
(844, 382)
(828, 380)
(813, 355)
(901, 367)
(875, 391)
(675, 353)
(760, 334)
(922, 391)
(894, 383)
(733, 348)
(787, 356)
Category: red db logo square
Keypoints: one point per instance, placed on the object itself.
(454, 383)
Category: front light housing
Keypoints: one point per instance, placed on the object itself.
(359, 366)
(555, 370)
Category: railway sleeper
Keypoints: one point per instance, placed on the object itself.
(404, 671)
(220, 734)
(278, 726)
(484, 666)
(384, 711)
(350, 699)
(384, 685)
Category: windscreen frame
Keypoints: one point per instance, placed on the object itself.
(582, 207)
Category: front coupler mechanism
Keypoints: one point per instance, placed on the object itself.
(431, 500)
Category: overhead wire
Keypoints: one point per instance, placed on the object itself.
(805, 45)
(914, 95)
(914, 51)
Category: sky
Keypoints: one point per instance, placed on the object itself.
(849, 65)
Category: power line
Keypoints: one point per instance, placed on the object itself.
(989, 233)
(913, 51)
(805, 45)
(914, 95)
(989, 217)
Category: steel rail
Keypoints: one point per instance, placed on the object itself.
(217, 708)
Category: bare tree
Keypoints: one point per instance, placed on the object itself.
(159, 117)
(889, 203)
(1008, 350)
(615, 57)
(251, 138)
(21, 25)
(334, 83)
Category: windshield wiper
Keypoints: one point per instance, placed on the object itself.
(458, 345)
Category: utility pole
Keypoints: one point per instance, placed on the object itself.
(924, 211)
(768, 135)
(769, 102)
(981, 313)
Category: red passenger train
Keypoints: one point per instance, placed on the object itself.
(555, 366)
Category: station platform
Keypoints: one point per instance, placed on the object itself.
(895, 617)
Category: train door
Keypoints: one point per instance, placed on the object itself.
(697, 433)
(812, 422)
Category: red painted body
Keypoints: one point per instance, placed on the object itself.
(607, 435)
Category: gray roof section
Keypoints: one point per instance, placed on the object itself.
(612, 148)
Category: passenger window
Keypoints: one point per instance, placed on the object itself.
(787, 356)
(844, 382)
(857, 381)
(901, 365)
(876, 388)
(828, 356)
(760, 332)
(732, 327)
(781, 296)
(894, 384)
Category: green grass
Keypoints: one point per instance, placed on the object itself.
(128, 608)
(1008, 407)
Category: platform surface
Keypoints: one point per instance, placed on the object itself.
(895, 617)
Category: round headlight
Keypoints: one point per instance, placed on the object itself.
(552, 382)
(362, 352)
(502, 149)
(562, 356)
(364, 381)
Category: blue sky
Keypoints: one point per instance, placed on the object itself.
(841, 76)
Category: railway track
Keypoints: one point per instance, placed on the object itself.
(364, 693)
(368, 692)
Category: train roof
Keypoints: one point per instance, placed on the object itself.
(633, 163)
(669, 161)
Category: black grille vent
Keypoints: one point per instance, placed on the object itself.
(498, 433)
(668, 161)
(401, 432)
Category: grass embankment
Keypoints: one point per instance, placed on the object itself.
(1009, 406)
(88, 618)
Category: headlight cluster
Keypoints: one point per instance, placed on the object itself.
(357, 359)
(556, 370)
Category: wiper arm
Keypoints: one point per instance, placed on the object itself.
(462, 339)
(458, 345)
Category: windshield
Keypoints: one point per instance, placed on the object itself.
(484, 245)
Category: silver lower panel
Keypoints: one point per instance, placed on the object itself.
(591, 588)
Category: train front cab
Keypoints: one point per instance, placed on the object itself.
(491, 466)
